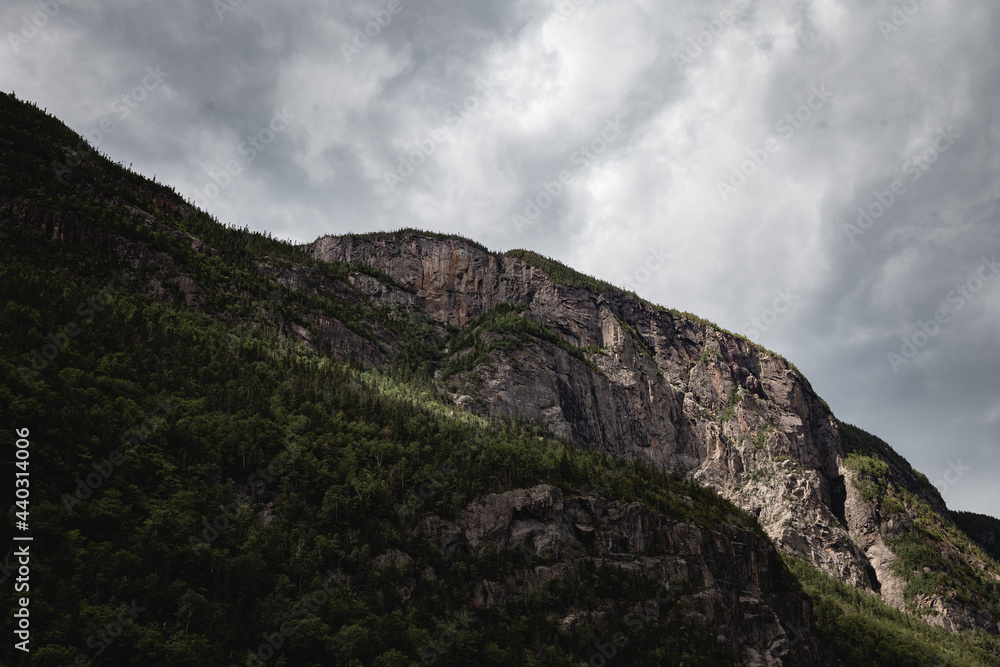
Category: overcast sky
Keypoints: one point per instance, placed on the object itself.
(715, 157)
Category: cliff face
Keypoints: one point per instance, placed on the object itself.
(716, 581)
(647, 383)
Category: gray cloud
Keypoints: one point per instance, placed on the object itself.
(505, 97)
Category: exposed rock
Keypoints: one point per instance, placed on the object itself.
(715, 580)
(650, 384)
(398, 565)
(450, 278)
(66, 227)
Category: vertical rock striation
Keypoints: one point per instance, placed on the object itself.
(648, 383)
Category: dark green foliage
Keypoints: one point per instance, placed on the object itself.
(248, 469)
(867, 465)
(865, 631)
(983, 529)
(926, 551)
(731, 403)
(561, 274)
(245, 397)
(927, 544)
(860, 441)
(359, 454)
(508, 328)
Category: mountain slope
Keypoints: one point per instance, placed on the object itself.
(622, 375)
(985, 530)
(203, 452)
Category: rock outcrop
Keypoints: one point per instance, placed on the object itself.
(649, 383)
(721, 581)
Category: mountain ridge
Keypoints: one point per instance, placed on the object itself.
(609, 344)
(431, 456)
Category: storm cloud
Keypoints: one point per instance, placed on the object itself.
(821, 176)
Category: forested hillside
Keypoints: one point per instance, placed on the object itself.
(238, 456)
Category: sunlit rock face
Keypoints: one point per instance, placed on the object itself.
(644, 382)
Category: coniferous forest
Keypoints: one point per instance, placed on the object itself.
(208, 489)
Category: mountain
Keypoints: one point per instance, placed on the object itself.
(606, 370)
(402, 447)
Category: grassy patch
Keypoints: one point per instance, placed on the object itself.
(505, 328)
(760, 438)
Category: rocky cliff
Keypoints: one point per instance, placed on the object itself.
(725, 582)
(240, 328)
(606, 370)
